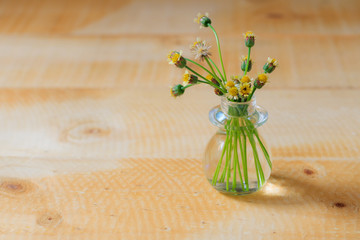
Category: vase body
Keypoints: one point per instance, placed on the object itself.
(237, 160)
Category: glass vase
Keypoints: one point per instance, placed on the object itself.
(237, 160)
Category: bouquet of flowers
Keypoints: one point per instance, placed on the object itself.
(239, 126)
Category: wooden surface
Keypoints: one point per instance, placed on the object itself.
(93, 147)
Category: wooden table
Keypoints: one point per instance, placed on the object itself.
(93, 147)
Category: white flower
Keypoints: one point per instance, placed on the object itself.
(200, 49)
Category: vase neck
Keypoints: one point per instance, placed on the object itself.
(238, 109)
(219, 115)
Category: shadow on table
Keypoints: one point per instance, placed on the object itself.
(284, 189)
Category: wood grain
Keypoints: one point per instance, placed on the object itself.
(93, 147)
(87, 171)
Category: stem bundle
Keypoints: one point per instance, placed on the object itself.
(239, 132)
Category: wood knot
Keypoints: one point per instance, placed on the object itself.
(308, 171)
(339, 205)
(166, 229)
(93, 131)
(49, 219)
(275, 15)
(85, 132)
(16, 187)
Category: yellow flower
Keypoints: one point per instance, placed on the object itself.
(245, 79)
(249, 34)
(209, 77)
(272, 61)
(186, 77)
(262, 78)
(189, 78)
(245, 89)
(233, 93)
(200, 49)
(230, 84)
(212, 79)
(176, 59)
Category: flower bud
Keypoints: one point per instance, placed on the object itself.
(243, 64)
(176, 59)
(203, 20)
(262, 77)
(212, 79)
(249, 39)
(189, 78)
(177, 90)
(258, 84)
(270, 65)
(260, 80)
(218, 92)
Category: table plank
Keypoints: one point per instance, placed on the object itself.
(112, 124)
(170, 199)
(113, 62)
(111, 17)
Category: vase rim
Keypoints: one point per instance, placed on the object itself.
(252, 100)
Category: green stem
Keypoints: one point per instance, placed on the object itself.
(216, 77)
(259, 171)
(206, 80)
(218, 45)
(212, 62)
(199, 65)
(251, 94)
(256, 165)
(234, 174)
(189, 85)
(229, 166)
(214, 180)
(236, 162)
(201, 81)
(244, 159)
(247, 62)
(266, 154)
(228, 156)
(212, 69)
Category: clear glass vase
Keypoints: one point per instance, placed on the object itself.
(237, 160)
